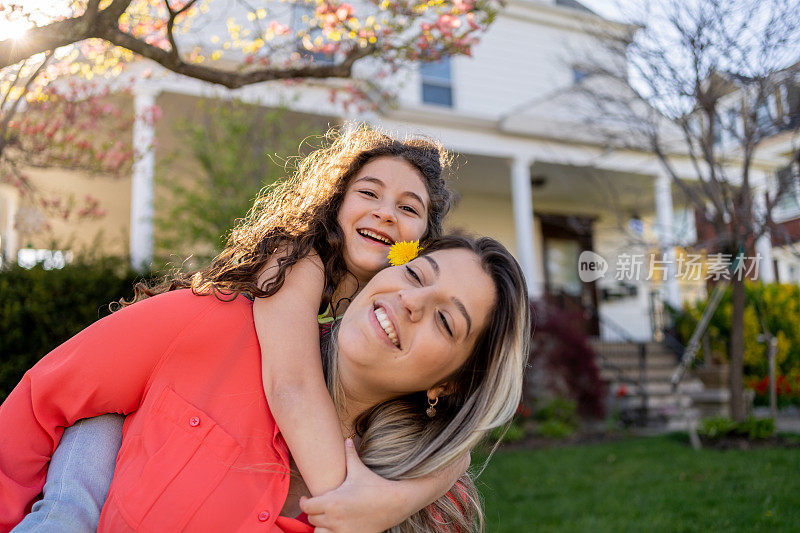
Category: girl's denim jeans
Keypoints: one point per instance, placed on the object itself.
(78, 478)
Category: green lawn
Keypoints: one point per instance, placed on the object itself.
(642, 484)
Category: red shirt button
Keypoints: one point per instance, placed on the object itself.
(194, 421)
(263, 516)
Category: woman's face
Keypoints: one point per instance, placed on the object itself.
(386, 202)
(414, 325)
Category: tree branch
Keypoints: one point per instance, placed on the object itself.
(171, 24)
(10, 89)
(13, 110)
(231, 79)
(42, 39)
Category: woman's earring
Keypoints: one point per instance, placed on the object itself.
(431, 411)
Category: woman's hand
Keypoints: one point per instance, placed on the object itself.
(364, 503)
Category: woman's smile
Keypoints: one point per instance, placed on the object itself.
(386, 323)
(422, 320)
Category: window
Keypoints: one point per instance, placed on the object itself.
(792, 108)
(718, 129)
(735, 128)
(788, 205)
(437, 83)
(764, 117)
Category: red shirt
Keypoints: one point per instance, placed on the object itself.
(200, 449)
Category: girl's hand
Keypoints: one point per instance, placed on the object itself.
(364, 503)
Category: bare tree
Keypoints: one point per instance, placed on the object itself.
(708, 82)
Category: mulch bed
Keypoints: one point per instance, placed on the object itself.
(743, 443)
(535, 442)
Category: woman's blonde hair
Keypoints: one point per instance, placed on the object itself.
(399, 441)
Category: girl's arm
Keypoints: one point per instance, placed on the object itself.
(294, 384)
(78, 478)
(367, 502)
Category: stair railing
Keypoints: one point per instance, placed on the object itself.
(689, 356)
(693, 346)
(639, 384)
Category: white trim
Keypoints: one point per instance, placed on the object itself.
(666, 237)
(141, 244)
(10, 239)
(568, 18)
(522, 198)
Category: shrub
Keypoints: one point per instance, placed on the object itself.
(555, 429)
(558, 418)
(513, 432)
(753, 428)
(776, 305)
(40, 309)
(757, 428)
(563, 363)
(717, 427)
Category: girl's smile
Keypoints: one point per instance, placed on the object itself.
(386, 202)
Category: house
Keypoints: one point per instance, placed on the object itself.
(776, 121)
(531, 173)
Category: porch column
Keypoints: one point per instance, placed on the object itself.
(666, 237)
(522, 195)
(9, 237)
(141, 245)
(766, 265)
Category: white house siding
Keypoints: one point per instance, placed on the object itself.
(526, 54)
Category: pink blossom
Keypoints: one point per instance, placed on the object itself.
(278, 29)
(471, 21)
(447, 23)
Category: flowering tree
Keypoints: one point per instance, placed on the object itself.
(230, 43)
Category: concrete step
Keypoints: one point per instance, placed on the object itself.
(658, 388)
(651, 374)
(659, 359)
(625, 347)
(679, 422)
(620, 361)
(658, 402)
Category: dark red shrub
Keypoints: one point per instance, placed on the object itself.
(562, 362)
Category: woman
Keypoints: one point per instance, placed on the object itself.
(198, 452)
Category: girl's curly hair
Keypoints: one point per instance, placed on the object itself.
(299, 214)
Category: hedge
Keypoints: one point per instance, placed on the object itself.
(40, 309)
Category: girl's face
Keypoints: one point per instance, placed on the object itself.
(386, 202)
(414, 325)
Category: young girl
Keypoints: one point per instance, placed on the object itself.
(303, 252)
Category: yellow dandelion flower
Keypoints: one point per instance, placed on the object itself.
(402, 252)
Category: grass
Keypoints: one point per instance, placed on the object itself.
(642, 484)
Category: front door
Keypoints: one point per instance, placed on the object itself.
(564, 238)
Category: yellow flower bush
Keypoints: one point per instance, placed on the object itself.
(776, 304)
